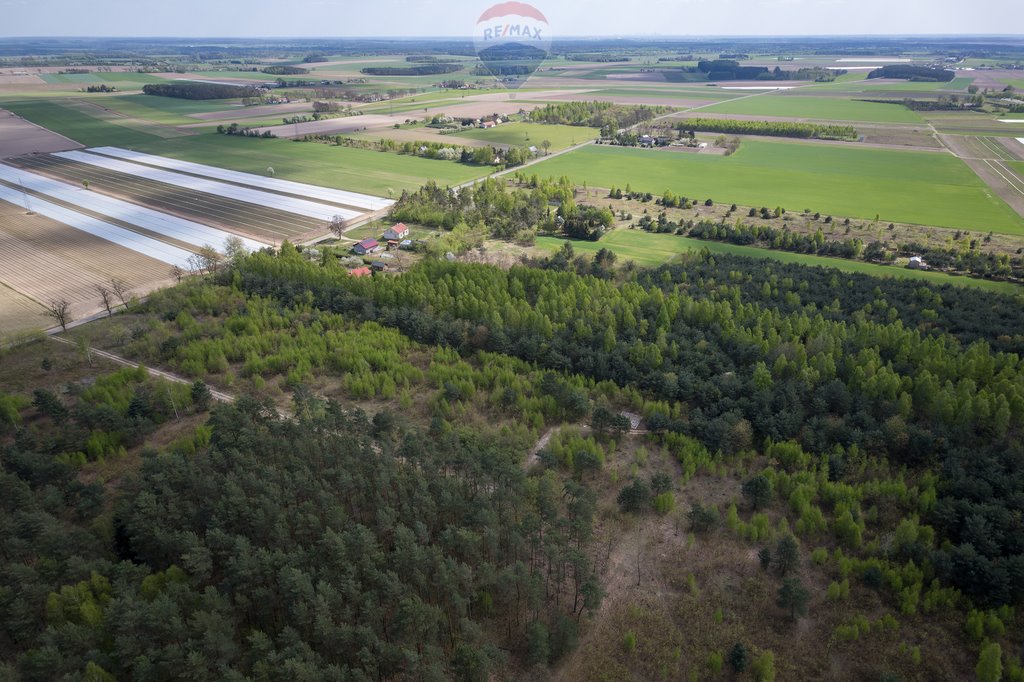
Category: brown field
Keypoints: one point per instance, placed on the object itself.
(18, 136)
(334, 126)
(262, 111)
(259, 222)
(19, 313)
(44, 259)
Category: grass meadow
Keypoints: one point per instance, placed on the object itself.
(75, 121)
(818, 108)
(650, 250)
(166, 110)
(527, 134)
(923, 188)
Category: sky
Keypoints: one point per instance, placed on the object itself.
(426, 18)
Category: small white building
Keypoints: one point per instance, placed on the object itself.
(917, 263)
(396, 232)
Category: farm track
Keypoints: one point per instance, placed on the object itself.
(256, 222)
(169, 376)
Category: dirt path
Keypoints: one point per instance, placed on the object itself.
(169, 376)
(540, 445)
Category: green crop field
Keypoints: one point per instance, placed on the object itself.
(532, 134)
(166, 110)
(101, 77)
(925, 188)
(819, 108)
(77, 123)
(956, 84)
(650, 250)
(358, 170)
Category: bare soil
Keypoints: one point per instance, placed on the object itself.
(18, 136)
(262, 111)
(43, 259)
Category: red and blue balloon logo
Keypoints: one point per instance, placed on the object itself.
(512, 39)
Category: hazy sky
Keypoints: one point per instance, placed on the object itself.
(345, 18)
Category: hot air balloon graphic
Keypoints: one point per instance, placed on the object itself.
(512, 39)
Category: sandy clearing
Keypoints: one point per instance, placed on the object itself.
(758, 87)
(511, 97)
(641, 77)
(241, 112)
(333, 126)
(7, 79)
(652, 100)
(18, 137)
(755, 84)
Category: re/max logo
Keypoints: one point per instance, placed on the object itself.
(512, 30)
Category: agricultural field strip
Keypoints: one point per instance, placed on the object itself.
(995, 148)
(250, 196)
(1007, 174)
(174, 227)
(206, 207)
(22, 262)
(147, 246)
(335, 196)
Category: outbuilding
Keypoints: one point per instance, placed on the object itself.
(366, 246)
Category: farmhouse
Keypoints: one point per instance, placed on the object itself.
(396, 232)
(378, 266)
(366, 246)
(360, 272)
(488, 124)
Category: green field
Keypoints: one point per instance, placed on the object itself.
(358, 170)
(80, 124)
(821, 108)
(166, 110)
(651, 250)
(956, 84)
(101, 77)
(532, 134)
(899, 186)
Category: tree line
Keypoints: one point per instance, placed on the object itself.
(775, 128)
(431, 69)
(596, 114)
(199, 91)
(925, 74)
